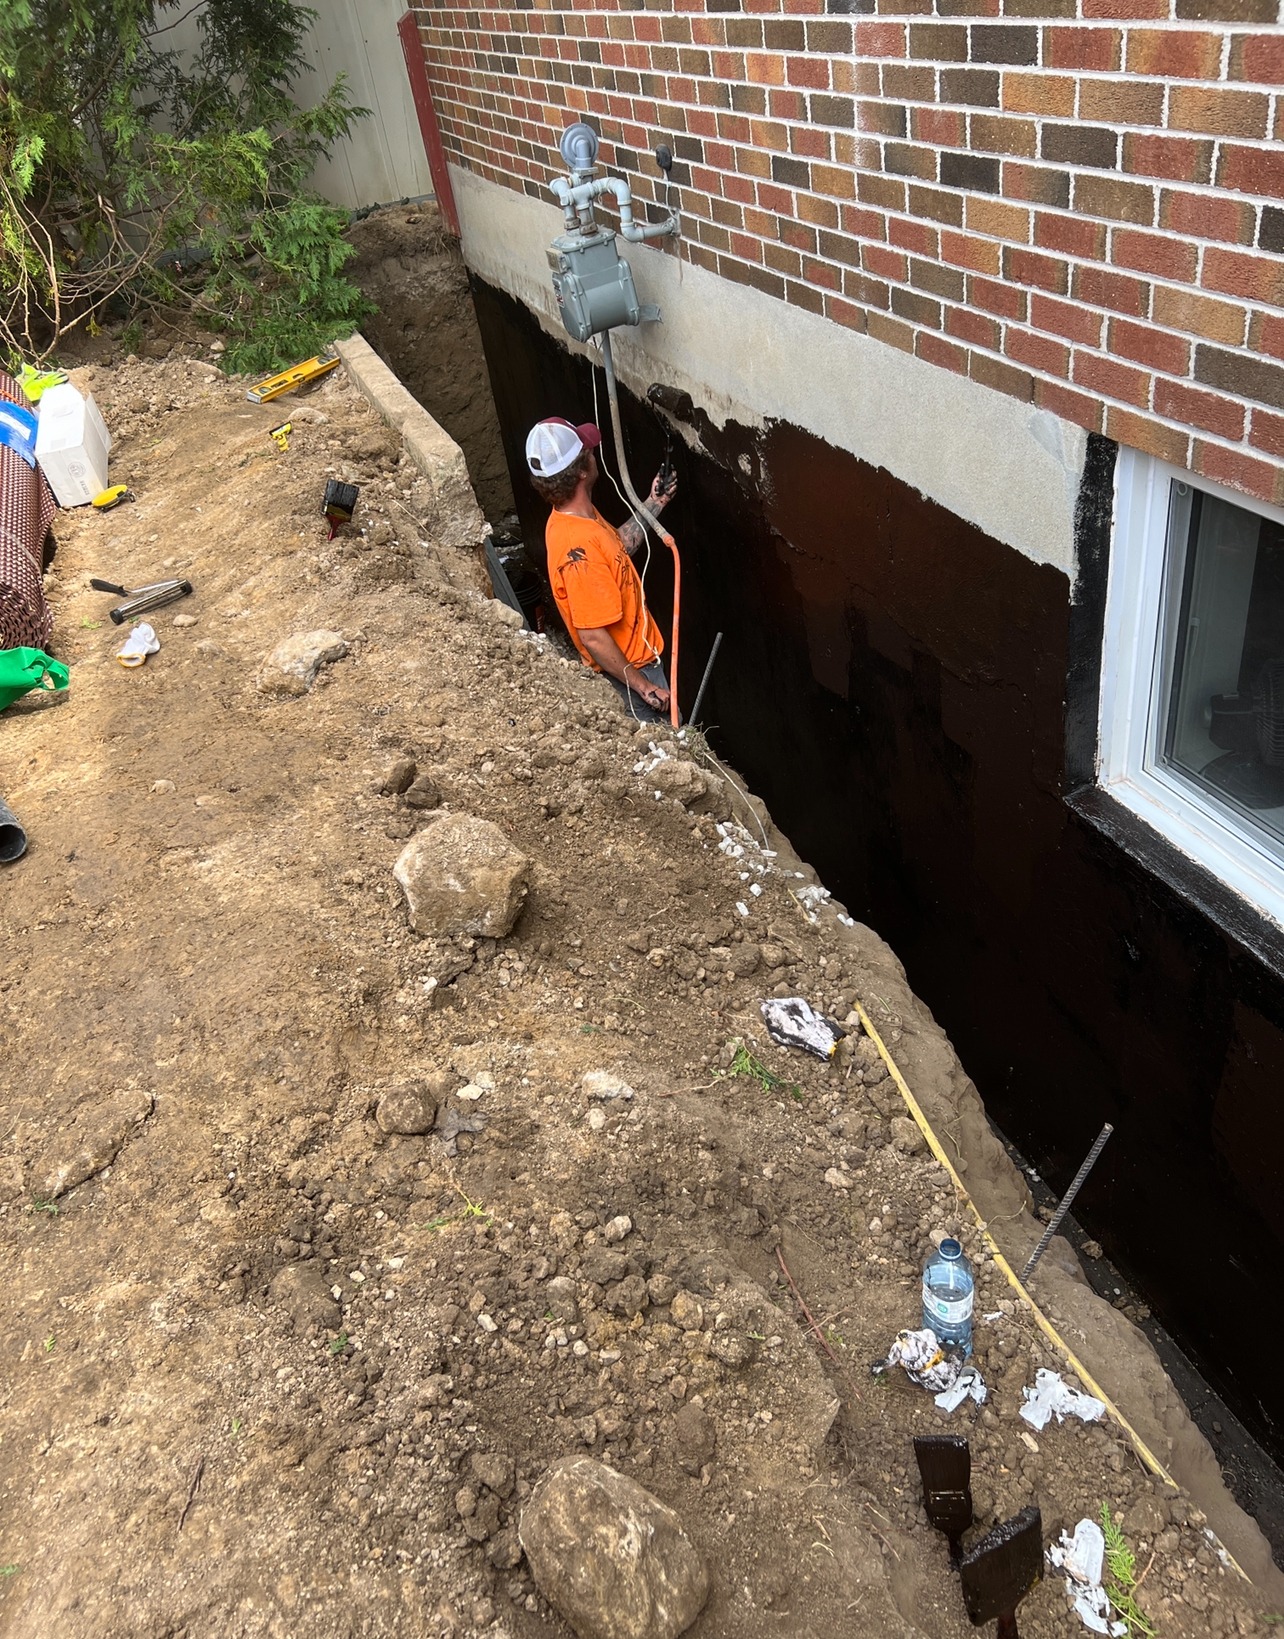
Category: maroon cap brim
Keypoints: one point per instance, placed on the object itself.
(589, 436)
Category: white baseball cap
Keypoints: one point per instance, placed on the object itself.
(555, 444)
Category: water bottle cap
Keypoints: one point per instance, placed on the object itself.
(951, 1249)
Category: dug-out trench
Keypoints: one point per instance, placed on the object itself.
(894, 684)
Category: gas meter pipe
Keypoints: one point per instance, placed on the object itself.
(645, 518)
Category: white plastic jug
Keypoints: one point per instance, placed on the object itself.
(72, 444)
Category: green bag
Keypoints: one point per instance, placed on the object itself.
(25, 669)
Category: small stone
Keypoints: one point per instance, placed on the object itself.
(596, 1119)
(184, 620)
(606, 1086)
(95, 1137)
(398, 777)
(617, 1229)
(162, 788)
(609, 1557)
(686, 1312)
(422, 792)
(906, 1136)
(837, 1179)
(291, 668)
(409, 1109)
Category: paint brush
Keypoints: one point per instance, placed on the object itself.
(945, 1463)
(1001, 1569)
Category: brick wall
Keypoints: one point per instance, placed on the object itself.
(1076, 202)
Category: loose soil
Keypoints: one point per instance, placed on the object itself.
(270, 1370)
(426, 330)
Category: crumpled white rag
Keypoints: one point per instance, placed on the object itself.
(1053, 1396)
(1082, 1558)
(141, 642)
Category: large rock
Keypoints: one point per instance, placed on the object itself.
(292, 666)
(463, 876)
(609, 1556)
(409, 1108)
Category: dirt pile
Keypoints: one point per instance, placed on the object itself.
(426, 330)
(324, 1238)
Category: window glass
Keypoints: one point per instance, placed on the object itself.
(1221, 697)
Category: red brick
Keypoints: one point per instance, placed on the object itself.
(880, 39)
(1175, 53)
(972, 327)
(1240, 471)
(947, 127)
(765, 68)
(1218, 112)
(884, 263)
(1159, 349)
(1151, 437)
(1111, 379)
(1256, 170)
(847, 314)
(822, 274)
(1178, 402)
(965, 250)
(810, 141)
(786, 105)
(1181, 159)
(1095, 50)
(1079, 324)
(813, 72)
(1266, 334)
(1255, 278)
(997, 296)
(1076, 236)
(1258, 57)
(912, 235)
(1029, 267)
(1069, 405)
(865, 224)
(1205, 216)
(1039, 352)
(1117, 291)
(1267, 432)
(936, 350)
(1166, 258)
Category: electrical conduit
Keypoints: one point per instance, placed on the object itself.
(645, 518)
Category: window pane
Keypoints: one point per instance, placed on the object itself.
(1223, 726)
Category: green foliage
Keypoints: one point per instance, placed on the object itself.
(132, 174)
(1121, 1576)
(744, 1063)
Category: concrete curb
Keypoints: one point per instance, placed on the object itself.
(456, 519)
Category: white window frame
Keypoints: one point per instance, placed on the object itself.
(1135, 654)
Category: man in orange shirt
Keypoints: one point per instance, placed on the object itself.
(597, 589)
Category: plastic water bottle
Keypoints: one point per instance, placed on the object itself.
(948, 1295)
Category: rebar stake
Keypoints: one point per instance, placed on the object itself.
(1067, 1200)
(704, 681)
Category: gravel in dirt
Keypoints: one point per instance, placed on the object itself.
(324, 1239)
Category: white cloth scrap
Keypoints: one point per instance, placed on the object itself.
(793, 1022)
(1052, 1396)
(968, 1384)
(1082, 1557)
(141, 642)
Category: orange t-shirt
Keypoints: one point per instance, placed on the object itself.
(595, 584)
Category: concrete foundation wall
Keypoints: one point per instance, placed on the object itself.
(1009, 468)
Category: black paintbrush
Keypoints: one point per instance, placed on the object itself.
(945, 1462)
(1002, 1568)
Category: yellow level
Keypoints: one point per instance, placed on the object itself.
(295, 376)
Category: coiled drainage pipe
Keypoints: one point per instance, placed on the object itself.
(645, 518)
(13, 839)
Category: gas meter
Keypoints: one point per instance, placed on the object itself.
(594, 285)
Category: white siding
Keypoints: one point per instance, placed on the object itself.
(384, 158)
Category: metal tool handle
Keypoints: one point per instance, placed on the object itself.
(155, 597)
(108, 586)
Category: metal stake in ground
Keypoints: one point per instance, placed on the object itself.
(1067, 1200)
(704, 681)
